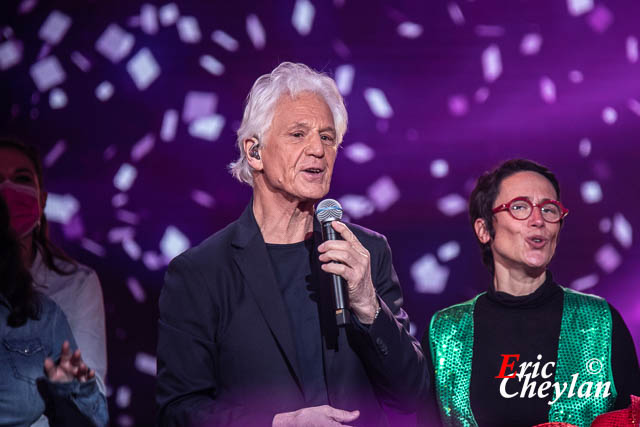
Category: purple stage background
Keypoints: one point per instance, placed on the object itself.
(134, 106)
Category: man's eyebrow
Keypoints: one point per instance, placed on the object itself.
(328, 129)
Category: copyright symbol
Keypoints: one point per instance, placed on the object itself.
(594, 366)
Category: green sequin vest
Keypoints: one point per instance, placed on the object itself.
(584, 348)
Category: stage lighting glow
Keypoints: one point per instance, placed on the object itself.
(591, 192)
(448, 251)
(344, 78)
(54, 27)
(207, 128)
(302, 18)
(531, 44)
(383, 193)
(212, 65)
(143, 68)
(54, 154)
(608, 258)
(410, 30)
(224, 40)
(356, 206)
(378, 103)
(104, 91)
(359, 152)
(583, 283)
(256, 33)
(61, 208)
(173, 242)
(142, 147)
(47, 73)
(136, 290)
(169, 125)
(115, 43)
(124, 178)
(622, 230)
(429, 276)
(491, 63)
(10, 54)
(452, 204)
(188, 29)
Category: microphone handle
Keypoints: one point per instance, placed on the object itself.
(342, 314)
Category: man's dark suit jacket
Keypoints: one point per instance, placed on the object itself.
(226, 354)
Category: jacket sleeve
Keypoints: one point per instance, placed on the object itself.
(393, 358)
(71, 403)
(187, 387)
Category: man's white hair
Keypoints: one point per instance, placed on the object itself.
(286, 79)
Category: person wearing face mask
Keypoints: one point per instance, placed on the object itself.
(43, 379)
(73, 286)
(528, 351)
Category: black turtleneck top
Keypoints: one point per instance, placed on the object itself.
(529, 326)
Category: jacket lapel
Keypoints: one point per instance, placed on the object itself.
(251, 256)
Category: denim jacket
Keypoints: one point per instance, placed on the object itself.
(25, 392)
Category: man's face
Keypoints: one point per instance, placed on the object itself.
(300, 148)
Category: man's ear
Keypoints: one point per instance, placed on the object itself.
(254, 159)
(480, 226)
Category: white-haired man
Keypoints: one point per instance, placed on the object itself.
(246, 330)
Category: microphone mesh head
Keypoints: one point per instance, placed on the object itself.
(329, 210)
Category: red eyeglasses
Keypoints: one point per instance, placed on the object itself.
(521, 208)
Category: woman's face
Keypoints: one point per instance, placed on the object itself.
(527, 245)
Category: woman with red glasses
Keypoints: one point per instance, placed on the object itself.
(527, 351)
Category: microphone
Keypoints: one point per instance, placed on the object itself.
(329, 210)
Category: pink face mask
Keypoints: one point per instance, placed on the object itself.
(24, 206)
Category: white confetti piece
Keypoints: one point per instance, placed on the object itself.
(302, 18)
(378, 103)
(115, 43)
(149, 18)
(591, 192)
(383, 193)
(169, 125)
(124, 178)
(428, 276)
(410, 30)
(256, 33)
(203, 198)
(142, 147)
(198, 104)
(452, 204)
(152, 261)
(458, 105)
(547, 90)
(47, 73)
(448, 251)
(605, 225)
(600, 19)
(491, 63)
(120, 234)
(634, 106)
(622, 230)
(119, 200)
(439, 168)
(455, 13)
(173, 242)
(212, 65)
(359, 152)
(609, 115)
(127, 217)
(123, 396)
(54, 27)
(143, 68)
(136, 289)
(632, 49)
(146, 364)
(104, 91)
(58, 99)
(356, 206)
(10, 54)
(413, 329)
(80, 61)
(132, 249)
(489, 30)
(93, 247)
(584, 148)
(608, 258)
(224, 40)
(125, 420)
(576, 76)
(344, 78)
(584, 283)
(188, 29)
(579, 7)
(531, 44)
(168, 14)
(481, 95)
(207, 128)
(26, 6)
(61, 208)
(54, 154)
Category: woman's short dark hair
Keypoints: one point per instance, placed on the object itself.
(50, 252)
(486, 191)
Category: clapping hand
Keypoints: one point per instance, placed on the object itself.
(69, 367)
